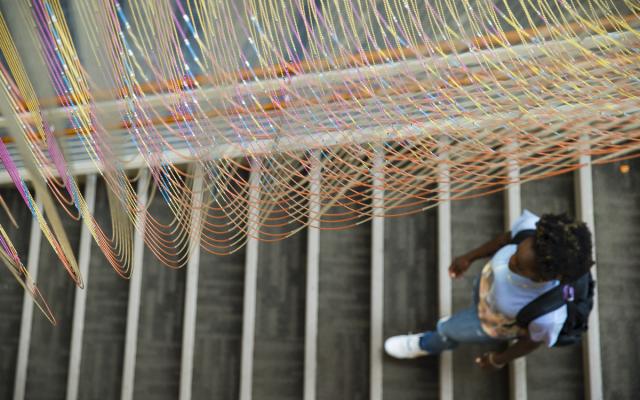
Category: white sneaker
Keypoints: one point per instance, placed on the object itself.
(404, 346)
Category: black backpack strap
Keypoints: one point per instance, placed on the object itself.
(522, 235)
(549, 301)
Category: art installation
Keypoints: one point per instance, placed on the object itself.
(258, 118)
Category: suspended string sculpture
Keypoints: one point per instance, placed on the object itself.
(258, 118)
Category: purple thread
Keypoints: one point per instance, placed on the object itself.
(568, 293)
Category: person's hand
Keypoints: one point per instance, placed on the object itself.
(459, 266)
(487, 361)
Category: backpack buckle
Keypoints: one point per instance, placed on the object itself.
(568, 293)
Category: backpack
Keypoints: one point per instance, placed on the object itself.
(577, 295)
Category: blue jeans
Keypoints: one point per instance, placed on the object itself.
(462, 327)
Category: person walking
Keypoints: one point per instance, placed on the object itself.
(535, 256)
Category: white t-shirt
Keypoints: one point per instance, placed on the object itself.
(510, 292)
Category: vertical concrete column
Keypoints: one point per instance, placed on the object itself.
(444, 260)
(377, 276)
(80, 299)
(27, 310)
(518, 367)
(250, 285)
(191, 289)
(591, 343)
(135, 287)
(313, 276)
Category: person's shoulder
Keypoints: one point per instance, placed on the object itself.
(526, 214)
(526, 220)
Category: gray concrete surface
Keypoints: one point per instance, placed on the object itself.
(410, 301)
(617, 219)
(280, 319)
(157, 373)
(216, 364)
(343, 315)
(105, 319)
(50, 345)
(556, 373)
(11, 293)
(216, 368)
(474, 222)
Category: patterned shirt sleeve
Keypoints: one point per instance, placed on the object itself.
(546, 328)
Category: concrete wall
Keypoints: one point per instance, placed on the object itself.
(105, 319)
(216, 373)
(410, 301)
(344, 319)
(50, 345)
(553, 373)
(617, 217)
(157, 373)
(473, 223)
(280, 319)
(11, 293)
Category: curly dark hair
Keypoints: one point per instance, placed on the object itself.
(563, 248)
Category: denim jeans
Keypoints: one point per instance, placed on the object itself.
(462, 327)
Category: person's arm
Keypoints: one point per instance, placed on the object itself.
(462, 263)
(495, 360)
